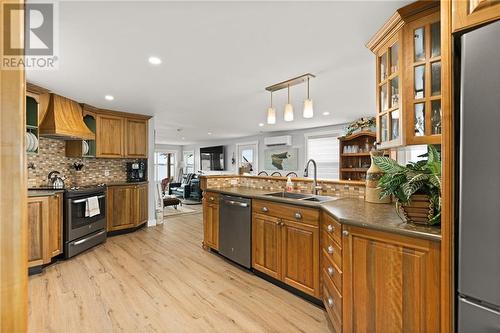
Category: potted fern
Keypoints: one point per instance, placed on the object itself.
(416, 187)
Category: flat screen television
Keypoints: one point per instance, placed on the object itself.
(212, 158)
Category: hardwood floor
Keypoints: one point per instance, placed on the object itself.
(159, 279)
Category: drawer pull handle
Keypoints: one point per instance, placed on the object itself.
(298, 216)
(330, 302)
(331, 271)
(345, 233)
(264, 209)
(330, 228)
(330, 249)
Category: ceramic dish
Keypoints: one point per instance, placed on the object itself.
(85, 147)
(35, 141)
(31, 144)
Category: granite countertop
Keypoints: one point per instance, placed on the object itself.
(352, 211)
(43, 192)
(125, 183)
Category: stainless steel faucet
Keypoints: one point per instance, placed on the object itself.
(316, 188)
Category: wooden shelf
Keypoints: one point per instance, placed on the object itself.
(354, 169)
(355, 154)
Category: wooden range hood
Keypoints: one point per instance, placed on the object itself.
(64, 120)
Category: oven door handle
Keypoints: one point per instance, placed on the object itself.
(83, 200)
(89, 238)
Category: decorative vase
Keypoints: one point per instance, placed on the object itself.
(373, 175)
(418, 210)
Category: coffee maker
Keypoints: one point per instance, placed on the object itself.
(137, 171)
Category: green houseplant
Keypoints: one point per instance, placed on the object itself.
(416, 186)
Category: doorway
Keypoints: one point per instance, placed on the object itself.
(248, 156)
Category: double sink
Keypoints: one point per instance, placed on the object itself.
(300, 196)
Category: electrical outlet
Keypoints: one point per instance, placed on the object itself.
(106, 173)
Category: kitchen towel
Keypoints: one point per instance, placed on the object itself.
(92, 207)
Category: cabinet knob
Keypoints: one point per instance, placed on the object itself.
(330, 228)
(330, 249)
(298, 216)
(330, 271)
(264, 209)
(345, 233)
(330, 302)
(211, 198)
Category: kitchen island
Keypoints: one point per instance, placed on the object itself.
(371, 270)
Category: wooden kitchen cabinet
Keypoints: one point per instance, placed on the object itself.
(45, 238)
(408, 76)
(109, 136)
(266, 245)
(211, 220)
(127, 206)
(300, 263)
(38, 231)
(285, 244)
(471, 13)
(391, 283)
(56, 224)
(136, 138)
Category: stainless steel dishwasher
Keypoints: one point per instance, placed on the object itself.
(235, 229)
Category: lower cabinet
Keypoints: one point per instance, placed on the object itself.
(44, 228)
(285, 249)
(390, 282)
(211, 220)
(127, 206)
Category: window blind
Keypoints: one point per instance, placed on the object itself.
(325, 151)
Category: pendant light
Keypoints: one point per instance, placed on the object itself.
(271, 113)
(288, 108)
(308, 104)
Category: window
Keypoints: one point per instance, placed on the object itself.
(164, 165)
(248, 156)
(189, 161)
(324, 149)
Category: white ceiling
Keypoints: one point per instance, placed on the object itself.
(217, 59)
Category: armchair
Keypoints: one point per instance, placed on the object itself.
(189, 187)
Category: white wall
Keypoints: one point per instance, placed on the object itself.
(298, 141)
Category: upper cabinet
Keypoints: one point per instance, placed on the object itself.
(136, 143)
(109, 136)
(408, 76)
(471, 13)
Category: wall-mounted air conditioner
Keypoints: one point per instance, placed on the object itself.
(284, 140)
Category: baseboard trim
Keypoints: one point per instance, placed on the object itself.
(125, 231)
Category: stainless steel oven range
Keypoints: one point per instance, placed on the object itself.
(81, 229)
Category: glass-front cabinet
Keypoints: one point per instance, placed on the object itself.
(388, 93)
(408, 77)
(423, 70)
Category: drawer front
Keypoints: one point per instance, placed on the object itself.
(211, 197)
(331, 271)
(331, 249)
(287, 212)
(332, 227)
(333, 306)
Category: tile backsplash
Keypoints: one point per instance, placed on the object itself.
(52, 156)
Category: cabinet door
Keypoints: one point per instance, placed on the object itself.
(55, 224)
(142, 204)
(266, 245)
(136, 138)
(391, 283)
(211, 224)
(300, 257)
(109, 136)
(38, 235)
(471, 13)
(120, 207)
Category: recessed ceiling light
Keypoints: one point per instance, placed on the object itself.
(261, 124)
(109, 97)
(154, 60)
(326, 113)
(209, 133)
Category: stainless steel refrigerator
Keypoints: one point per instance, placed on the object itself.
(479, 182)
